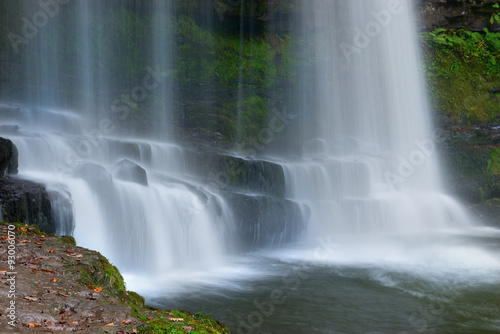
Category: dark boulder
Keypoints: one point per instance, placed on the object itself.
(127, 170)
(8, 157)
(96, 176)
(233, 173)
(27, 202)
(264, 221)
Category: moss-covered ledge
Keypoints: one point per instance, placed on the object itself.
(62, 287)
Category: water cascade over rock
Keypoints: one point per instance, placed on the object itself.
(149, 205)
(368, 165)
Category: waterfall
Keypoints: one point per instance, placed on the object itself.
(130, 199)
(368, 164)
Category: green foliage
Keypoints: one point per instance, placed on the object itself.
(253, 116)
(463, 68)
(230, 60)
(496, 16)
(494, 162)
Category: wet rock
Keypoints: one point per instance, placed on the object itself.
(264, 221)
(8, 157)
(474, 16)
(232, 173)
(127, 170)
(95, 175)
(28, 202)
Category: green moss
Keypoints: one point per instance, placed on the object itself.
(493, 201)
(494, 161)
(463, 69)
(69, 240)
(231, 61)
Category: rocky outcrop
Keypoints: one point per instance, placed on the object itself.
(264, 221)
(472, 15)
(127, 170)
(237, 174)
(255, 192)
(8, 157)
(471, 158)
(28, 202)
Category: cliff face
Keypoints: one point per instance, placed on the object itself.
(27, 201)
(469, 14)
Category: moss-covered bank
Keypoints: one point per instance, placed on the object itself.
(62, 287)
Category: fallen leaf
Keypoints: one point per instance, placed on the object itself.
(53, 280)
(176, 319)
(33, 324)
(3, 272)
(63, 295)
(24, 241)
(127, 322)
(73, 324)
(37, 243)
(134, 331)
(188, 328)
(97, 289)
(47, 270)
(59, 288)
(110, 324)
(32, 299)
(51, 251)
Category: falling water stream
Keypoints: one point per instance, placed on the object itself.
(386, 250)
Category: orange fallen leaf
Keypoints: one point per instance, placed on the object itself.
(24, 241)
(36, 275)
(3, 272)
(73, 324)
(127, 321)
(134, 331)
(63, 295)
(51, 251)
(37, 243)
(32, 299)
(33, 324)
(110, 324)
(47, 270)
(176, 319)
(53, 280)
(95, 288)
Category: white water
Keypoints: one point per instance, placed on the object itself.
(157, 228)
(369, 164)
